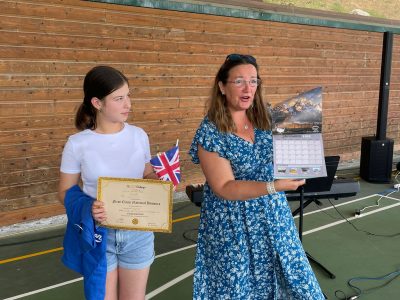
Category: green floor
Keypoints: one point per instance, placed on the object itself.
(327, 237)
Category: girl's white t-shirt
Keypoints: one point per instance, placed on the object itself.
(121, 154)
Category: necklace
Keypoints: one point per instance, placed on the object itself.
(246, 126)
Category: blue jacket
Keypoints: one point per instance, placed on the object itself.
(85, 243)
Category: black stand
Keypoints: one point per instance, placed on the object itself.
(301, 211)
(310, 258)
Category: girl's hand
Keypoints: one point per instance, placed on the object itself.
(288, 184)
(98, 211)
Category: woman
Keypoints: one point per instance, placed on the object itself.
(248, 246)
(108, 146)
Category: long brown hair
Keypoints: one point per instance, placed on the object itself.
(218, 111)
(99, 82)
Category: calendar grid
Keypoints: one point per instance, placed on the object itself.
(299, 156)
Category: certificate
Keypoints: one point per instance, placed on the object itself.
(136, 204)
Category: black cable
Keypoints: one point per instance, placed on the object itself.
(323, 211)
(361, 230)
(344, 296)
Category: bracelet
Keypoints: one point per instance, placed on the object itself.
(270, 187)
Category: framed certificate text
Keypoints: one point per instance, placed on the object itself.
(136, 204)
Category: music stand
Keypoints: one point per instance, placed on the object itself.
(315, 185)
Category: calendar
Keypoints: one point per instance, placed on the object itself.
(297, 137)
(299, 156)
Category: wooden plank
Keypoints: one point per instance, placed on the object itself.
(32, 135)
(29, 176)
(47, 160)
(104, 55)
(75, 82)
(130, 69)
(39, 121)
(37, 107)
(172, 114)
(28, 202)
(35, 9)
(148, 17)
(320, 80)
(26, 190)
(29, 38)
(32, 213)
(67, 120)
(31, 149)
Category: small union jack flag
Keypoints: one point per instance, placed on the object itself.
(167, 166)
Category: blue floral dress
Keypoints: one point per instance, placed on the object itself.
(248, 249)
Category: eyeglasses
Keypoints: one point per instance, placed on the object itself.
(241, 82)
(235, 56)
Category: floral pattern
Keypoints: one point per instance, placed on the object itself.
(248, 249)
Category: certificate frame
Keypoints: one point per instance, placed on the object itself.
(136, 204)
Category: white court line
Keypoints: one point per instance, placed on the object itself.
(81, 278)
(350, 219)
(345, 203)
(174, 251)
(44, 289)
(169, 284)
(183, 276)
(340, 204)
(391, 198)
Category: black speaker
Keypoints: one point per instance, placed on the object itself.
(376, 159)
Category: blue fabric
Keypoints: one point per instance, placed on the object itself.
(248, 249)
(85, 243)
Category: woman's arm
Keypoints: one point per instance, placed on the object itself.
(219, 175)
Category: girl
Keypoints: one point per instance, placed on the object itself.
(108, 146)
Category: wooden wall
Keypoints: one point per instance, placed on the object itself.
(46, 48)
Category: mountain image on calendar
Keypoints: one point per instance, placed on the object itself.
(299, 114)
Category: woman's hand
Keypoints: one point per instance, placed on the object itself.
(98, 211)
(288, 184)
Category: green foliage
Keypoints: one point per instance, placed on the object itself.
(376, 8)
(337, 7)
(376, 14)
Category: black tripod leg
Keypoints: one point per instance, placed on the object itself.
(310, 258)
(297, 210)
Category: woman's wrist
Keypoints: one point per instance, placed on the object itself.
(270, 185)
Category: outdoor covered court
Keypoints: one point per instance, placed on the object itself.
(31, 267)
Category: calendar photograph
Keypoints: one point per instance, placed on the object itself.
(299, 114)
(297, 136)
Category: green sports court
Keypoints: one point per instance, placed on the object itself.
(366, 246)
